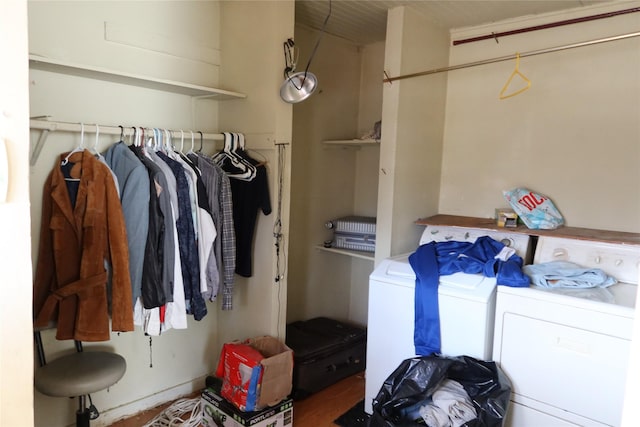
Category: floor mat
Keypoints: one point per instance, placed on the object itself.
(354, 417)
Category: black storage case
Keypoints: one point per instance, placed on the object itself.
(324, 352)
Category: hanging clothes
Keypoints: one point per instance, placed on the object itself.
(204, 227)
(78, 234)
(187, 243)
(158, 273)
(250, 193)
(133, 180)
(219, 193)
(248, 198)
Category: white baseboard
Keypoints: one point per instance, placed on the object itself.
(110, 416)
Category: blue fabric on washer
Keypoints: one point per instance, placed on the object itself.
(426, 330)
(435, 259)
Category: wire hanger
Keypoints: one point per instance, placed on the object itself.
(516, 72)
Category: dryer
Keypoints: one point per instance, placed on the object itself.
(566, 353)
(466, 308)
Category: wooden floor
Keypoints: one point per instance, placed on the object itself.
(317, 410)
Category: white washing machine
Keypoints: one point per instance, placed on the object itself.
(567, 354)
(466, 308)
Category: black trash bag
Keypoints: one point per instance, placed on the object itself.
(417, 378)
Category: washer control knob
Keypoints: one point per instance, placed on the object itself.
(559, 253)
(618, 262)
(597, 259)
(507, 242)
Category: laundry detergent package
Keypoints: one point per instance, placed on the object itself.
(536, 211)
(241, 371)
(255, 373)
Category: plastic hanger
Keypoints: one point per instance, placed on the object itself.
(516, 72)
(78, 148)
(95, 144)
(201, 141)
(246, 170)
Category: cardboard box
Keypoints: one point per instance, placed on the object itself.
(217, 412)
(506, 218)
(275, 377)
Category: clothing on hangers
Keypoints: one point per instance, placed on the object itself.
(187, 242)
(248, 197)
(219, 193)
(160, 195)
(75, 240)
(133, 179)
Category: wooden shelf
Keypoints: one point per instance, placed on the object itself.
(609, 236)
(356, 254)
(64, 67)
(352, 142)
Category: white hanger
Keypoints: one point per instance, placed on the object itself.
(168, 142)
(95, 144)
(78, 148)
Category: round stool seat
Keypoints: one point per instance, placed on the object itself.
(80, 373)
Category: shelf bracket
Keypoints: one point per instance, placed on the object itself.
(38, 148)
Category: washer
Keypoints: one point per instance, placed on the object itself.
(567, 354)
(466, 308)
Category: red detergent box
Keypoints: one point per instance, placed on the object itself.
(241, 371)
(255, 373)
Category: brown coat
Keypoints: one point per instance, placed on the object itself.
(70, 280)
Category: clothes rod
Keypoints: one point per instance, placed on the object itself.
(53, 126)
(545, 26)
(47, 126)
(510, 57)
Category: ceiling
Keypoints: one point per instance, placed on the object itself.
(365, 21)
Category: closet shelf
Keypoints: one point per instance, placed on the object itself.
(54, 65)
(356, 254)
(352, 142)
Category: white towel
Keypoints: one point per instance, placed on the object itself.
(434, 416)
(452, 398)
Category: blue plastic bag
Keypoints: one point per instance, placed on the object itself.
(537, 212)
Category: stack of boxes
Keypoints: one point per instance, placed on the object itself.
(356, 233)
(252, 384)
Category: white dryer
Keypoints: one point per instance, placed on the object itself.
(567, 354)
(466, 308)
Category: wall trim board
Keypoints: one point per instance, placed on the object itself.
(182, 48)
(110, 416)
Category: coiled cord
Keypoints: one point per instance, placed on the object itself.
(172, 416)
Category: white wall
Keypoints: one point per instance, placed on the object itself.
(16, 339)
(253, 61)
(180, 41)
(573, 136)
(323, 177)
(412, 129)
(331, 181)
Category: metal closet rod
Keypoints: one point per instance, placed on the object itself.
(47, 126)
(510, 57)
(545, 26)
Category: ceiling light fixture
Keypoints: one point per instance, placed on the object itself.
(299, 86)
